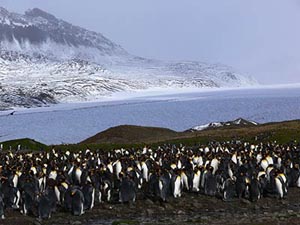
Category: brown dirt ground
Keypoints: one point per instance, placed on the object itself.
(189, 209)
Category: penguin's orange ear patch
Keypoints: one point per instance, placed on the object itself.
(73, 193)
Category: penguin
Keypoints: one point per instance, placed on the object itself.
(51, 193)
(139, 178)
(110, 167)
(176, 186)
(105, 191)
(77, 202)
(215, 164)
(28, 203)
(16, 178)
(229, 190)
(255, 190)
(164, 182)
(270, 160)
(17, 198)
(196, 180)
(84, 178)
(270, 188)
(127, 192)
(62, 188)
(184, 181)
(263, 182)
(281, 185)
(298, 181)
(89, 195)
(153, 186)
(134, 176)
(77, 176)
(52, 175)
(145, 172)
(264, 164)
(118, 168)
(202, 178)
(220, 179)
(11, 195)
(294, 177)
(44, 207)
(42, 180)
(241, 185)
(1, 206)
(67, 203)
(210, 184)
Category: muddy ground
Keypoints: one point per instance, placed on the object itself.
(189, 209)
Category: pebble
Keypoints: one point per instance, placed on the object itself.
(37, 222)
(149, 212)
(245, 201)
(76, 222)
(168, 206)
(180, 212)
(204, 218)
(256, 207)
(149, 202)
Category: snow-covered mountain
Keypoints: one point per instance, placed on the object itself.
(240, 122)
(45, 60)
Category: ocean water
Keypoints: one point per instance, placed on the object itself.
(73, 123)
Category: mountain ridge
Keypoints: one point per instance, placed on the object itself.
(239, 122)
(41, 55)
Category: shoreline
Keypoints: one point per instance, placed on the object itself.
(140, 96)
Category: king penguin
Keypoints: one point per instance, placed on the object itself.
(89, 195)
(77, 202)
(1, 207)
(127, 192)
(254, 190)
(44, 207)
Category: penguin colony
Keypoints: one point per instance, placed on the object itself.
(39, 184)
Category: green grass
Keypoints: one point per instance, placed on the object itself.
(26, 144)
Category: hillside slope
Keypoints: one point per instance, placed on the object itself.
(45, 60)
(281, 132)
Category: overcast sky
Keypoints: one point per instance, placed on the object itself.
(257, 37)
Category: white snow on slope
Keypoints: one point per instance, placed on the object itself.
(237, 122)
(205, 126)
(45, 60)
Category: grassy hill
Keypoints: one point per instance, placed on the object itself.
(282, 132)
(25, 144)
(127, 136)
